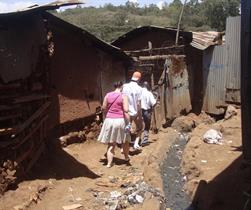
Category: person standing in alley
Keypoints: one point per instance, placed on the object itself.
(133, 92)
(113, 131)
(147, 103)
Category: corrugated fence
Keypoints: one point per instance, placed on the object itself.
(221, 71)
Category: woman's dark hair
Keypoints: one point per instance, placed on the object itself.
(118, 84)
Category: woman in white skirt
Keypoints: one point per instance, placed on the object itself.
(116, 123)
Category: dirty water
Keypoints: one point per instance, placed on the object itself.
(173, 181)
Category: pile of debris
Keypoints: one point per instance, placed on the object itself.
(130, 194)
(90, 132)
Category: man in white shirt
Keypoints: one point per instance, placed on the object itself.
(133, 92)
(147, 103)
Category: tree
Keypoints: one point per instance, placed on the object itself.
(217, 11)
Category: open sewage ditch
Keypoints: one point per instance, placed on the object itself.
(173, 181)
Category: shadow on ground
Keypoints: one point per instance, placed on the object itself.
(58, 164)
(226, 190)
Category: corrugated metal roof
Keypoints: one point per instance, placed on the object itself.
(203, 40)
(44, 7)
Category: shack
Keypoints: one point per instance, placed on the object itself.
(214, 59)
(52, 73)
(163, 63)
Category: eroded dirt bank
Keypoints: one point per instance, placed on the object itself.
(76, 176)
(215, 175)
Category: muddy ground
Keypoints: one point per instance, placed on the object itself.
(76, 177)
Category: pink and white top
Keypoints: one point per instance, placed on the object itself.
(114, 105)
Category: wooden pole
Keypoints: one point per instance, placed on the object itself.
(178, 28)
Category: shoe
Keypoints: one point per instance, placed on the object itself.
(127, 159)
(109, 165)
(136, 147)
(144, 142)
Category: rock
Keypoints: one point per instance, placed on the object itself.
(72, 207)
(230, 112)
(205, 118)
(115, 194)
(113, 205)
(183, 124)
(90, 135)
(11, 173)
(20, 207)
(139, 199)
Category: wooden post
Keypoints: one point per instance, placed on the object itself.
(178, 28)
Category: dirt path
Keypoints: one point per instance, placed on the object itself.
(77, 175)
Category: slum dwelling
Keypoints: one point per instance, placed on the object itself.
(164, 66)
(53, 76)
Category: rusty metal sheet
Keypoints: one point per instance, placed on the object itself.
(44, 7)
(233, 59)
(214, 80)
(19, 54)
(178, 96)
(174, 89)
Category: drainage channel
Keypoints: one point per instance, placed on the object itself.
(176, 198)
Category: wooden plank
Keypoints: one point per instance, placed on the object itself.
(7, 108)
(39, 125)
(9, 117)
(159, 57)
(35, 156)
(33, 117)
(10, 86)
(29, 98)
(154, 49)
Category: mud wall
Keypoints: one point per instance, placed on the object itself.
(80, 76)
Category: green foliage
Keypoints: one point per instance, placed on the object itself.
(217, 11)
(109, 22)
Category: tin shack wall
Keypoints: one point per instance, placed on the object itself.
(214, 78)
(233, 59)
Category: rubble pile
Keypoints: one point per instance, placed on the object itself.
(130, 194)
(90, 132)
(7, 174)
(189, 122)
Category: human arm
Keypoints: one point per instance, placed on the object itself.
(104, 105)
(126, 108)
(153, 101)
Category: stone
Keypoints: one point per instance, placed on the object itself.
(72, 207)
(139, 199)
(90, 135)
(230, 112)
(115, 194)
(183, 124)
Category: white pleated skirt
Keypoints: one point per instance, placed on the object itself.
(113, 131)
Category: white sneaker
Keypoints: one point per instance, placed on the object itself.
(136, 147)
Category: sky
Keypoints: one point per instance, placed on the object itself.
(13, 5)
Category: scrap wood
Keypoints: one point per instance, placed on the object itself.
(72, 207)
(31, 133)
(159, 57)
(8, 117)
(6, 131)
(37, 114)
(29, 98)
